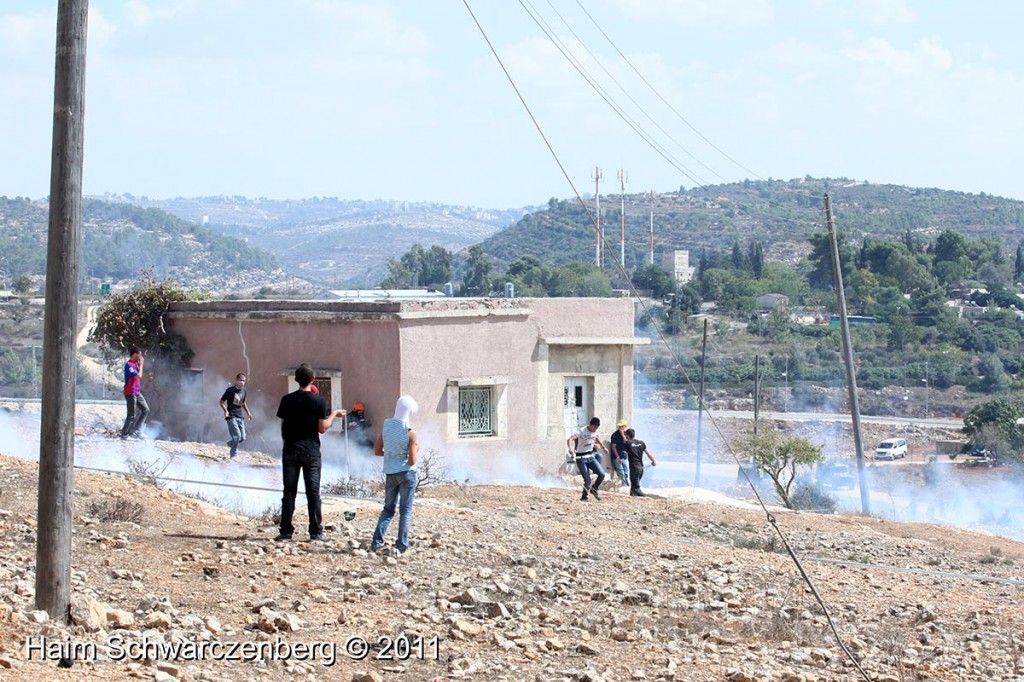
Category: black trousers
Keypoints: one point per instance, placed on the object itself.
(636, 472)
(292, 465)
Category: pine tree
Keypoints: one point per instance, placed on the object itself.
(738, 261)
(757, 263)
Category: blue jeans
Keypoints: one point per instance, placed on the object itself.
(292, 464)
(401, 485)
(585, 466)
(236, 433)
(621, 470)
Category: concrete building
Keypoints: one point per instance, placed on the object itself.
(772, 301)
(677, 264)
(376, 294)
(499, 378)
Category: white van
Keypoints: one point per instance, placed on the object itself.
(891, 448)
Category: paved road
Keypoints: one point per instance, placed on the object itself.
(808, 417)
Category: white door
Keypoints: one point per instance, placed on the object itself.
(576, 402)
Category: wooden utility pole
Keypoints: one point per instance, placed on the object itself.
(700, 399)
(757, 389)
(57, 430)
(851, 374)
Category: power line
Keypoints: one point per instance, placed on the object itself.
(156, 477)
(631, 98)
(646, 137)
(529, 112)
(659, 96)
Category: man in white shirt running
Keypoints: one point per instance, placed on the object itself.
(582, 444)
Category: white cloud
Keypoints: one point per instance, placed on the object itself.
(35, 34)
(886, 11)
(926, 55)
(140, 14)
(700, 12)
(101, 29)
(27, 33)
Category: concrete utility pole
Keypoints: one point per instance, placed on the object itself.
(757, 389)
(623, 177)
(597, 212)
(700, 400)
(57, 431)
(851, 375)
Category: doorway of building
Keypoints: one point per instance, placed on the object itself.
(576, 400)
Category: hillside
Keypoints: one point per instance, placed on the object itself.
(779, 213)
(333, 242)
(120, 241)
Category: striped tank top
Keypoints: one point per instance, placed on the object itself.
(396, 446)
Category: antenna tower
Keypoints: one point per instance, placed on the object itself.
(597, 198)
(652, 228)
(623, 177)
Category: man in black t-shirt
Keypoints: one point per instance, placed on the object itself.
(304, 416)
(233, 403)
(635, 449)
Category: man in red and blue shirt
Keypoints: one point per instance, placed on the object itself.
(137, 409)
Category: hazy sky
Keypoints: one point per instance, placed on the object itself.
(402, 99)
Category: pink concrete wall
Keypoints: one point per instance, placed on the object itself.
(600, 317)
(438, 349)
(365, 351)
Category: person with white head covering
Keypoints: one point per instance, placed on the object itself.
(398, 445)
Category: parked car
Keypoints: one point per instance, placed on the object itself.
(977, 456)
(837, 475)
(891, 448)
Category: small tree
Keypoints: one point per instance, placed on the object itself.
(22, 284)
(997, 424)
(136, 319)
(780, 459)
(432, 469)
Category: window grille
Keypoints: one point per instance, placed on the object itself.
(323, 385)
(475, 412)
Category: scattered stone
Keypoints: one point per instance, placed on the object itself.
(369, 676)
(119, 619)
(87, 612)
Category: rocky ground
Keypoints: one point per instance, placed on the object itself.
(503, 583)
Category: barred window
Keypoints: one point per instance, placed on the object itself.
(323, 387)
(476, 411)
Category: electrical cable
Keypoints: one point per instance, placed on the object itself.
(157, 477)
(675, 163)
(770, 517)
(657, 147)
(629, 96)
(659, 96)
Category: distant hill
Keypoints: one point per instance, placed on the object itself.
(779, 213)
(334, 242)
(120, 241)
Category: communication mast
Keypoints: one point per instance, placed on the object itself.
(623, 177)
(652, 229)
(597, 198)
